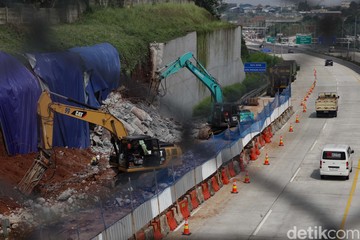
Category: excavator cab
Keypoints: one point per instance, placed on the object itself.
(138, 153)
(224, 115)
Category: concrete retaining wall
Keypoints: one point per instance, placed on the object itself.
(219, 52)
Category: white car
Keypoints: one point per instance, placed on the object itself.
(336, 160)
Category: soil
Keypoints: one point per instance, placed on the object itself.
(69, 165)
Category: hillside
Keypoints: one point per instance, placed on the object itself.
(130, 30)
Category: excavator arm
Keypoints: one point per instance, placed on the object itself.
(199, 71)
(47, 108)
(132, 153)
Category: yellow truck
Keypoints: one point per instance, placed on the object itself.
(327, 104)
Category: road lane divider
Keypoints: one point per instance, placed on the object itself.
(352, 191)
(262, 223)
(324, 126)
(297, 171)
(312, 147)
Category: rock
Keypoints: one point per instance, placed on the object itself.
(97, 140)
(70, 200)
(28, 203)
(82, 196)
(36, 206)
(119, 201)
(128, 128)
(136, 122)
(141, 114)
(65, 195)
(40, 200)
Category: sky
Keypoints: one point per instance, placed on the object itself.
(284, 2)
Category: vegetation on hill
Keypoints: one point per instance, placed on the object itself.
(130, 30)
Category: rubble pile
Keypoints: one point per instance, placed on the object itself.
(138, 119)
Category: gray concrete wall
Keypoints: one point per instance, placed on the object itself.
(220, 54)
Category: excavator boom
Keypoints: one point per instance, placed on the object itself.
(131, 153)
(223, 115)
(199, 71)
(46, 109)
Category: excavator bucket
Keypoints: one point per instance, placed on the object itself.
(33, 176)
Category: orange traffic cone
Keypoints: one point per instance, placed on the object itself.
(247, 178)
(291, 128)
(234, 187)
(304, 108)
(281, 143)
(186, 228)
(266, 162)
(297, 119)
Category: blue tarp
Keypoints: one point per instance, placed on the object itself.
(62, 73)
(86, 74)
(19, 93)
(102, 62)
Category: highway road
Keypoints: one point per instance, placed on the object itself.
(287, 199)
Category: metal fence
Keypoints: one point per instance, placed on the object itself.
(140, 198)
(164, 188)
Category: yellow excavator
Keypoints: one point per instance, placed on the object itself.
(130, 153)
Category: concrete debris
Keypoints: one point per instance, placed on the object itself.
(65, 195)
(141, 114)
(139, 119)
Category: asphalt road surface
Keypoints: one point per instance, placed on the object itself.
(287, 199)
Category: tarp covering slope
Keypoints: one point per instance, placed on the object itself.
(19, 93)
(102, 62)
(86, 74)
(62, 73)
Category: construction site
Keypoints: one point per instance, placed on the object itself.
(84, 157)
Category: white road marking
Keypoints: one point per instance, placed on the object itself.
(183, 222)
(180, 225)
(312, 147)
(324, 127)
(262, 222)
(193, 213)
(297, 171)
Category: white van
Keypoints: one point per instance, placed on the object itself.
(336, 160)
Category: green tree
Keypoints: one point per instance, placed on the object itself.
(210, 5)
(244, 50)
